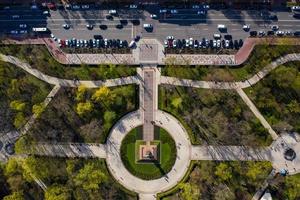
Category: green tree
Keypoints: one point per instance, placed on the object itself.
(12, 167)
(19, 120)
(32, 167)
(294, 107)
(15, 196)
(90, 177)
(223, 172)
(109, 116)
(104, 95)
(189, 191)
(37, 109)
(80, 93)
(292, 189)
(177, 102)
(23, 145)
(57, 192)
(257, 170)
(84, 108)
(17, 105)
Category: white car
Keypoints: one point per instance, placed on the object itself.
(75, 7)
(153, 16)
(279, 33)
(222, 26)
(217, 36)
(112, 12)
(288, 32)
(34, 7)
(261, 33)
(14, 32)
(246, 27)
(147, 26)
(66, 26)
(174, 43)
(218, 43)
(227, 44)
(191, 42)
(46, 12)
(163, 11)
(23, 25)
(187, 43)
(51, 35)
(170, 37)
(295, 7)
(195, 6)
(89, 26)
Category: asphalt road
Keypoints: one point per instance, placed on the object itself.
(185, 24)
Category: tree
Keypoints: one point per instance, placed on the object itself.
(17, 105)
(12, 167)
(104, 95)
(57, 192)
(189, 191)
(177, 102)
(292, 184)
(90, 177)
(294, 107)
(80, 93)
(109, 116)
(84, 108)
(223, 171)
(15, 196)
(19, 120)
(37, 109)
(23, 145)
(256, 170)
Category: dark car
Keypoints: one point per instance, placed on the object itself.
(103, 27)
(297, 33)
(253, 33)
(119, 26)
(270, 33)
(228, 37)
(273, 17)
(98, 37)
(241, 42)
(236, 44)
(123, 22)
(125, 43)
(135, 22)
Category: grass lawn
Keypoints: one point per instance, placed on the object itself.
(277, 97)
(260, 57)
(39, 57)
(152, 170)
(215, 117)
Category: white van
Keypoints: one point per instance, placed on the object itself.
(221, 26)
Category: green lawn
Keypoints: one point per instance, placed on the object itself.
(39, 57)
(259, 58)
(148, 171)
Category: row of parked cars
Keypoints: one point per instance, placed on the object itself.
(91, 43)
(228, 43)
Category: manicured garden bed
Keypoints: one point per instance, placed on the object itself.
(149, 170)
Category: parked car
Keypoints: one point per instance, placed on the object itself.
(15, 16)
(253, 33)
(222, 27)
(66, 26)
(89, 26)
(133, 6)
(85, 7)
(23, 32)
(112, 12)
(270, 33)
(246, 27)
(153, 16)
(46, 12)
(174, 44)
(174, 11)
(217, 36)
(297, 33)
(148, 27)
(280, 33)
(288, 32)
(261, 33)
(274, 27)
(75, 7)
(132, 44)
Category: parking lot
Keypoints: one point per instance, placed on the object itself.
(116, 24)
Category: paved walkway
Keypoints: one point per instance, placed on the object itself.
(146, 48)
(68, 83)
(256, 112)
(71, 150)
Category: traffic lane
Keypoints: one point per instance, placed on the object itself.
(81, 32)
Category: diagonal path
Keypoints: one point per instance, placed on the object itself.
(65, 82)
